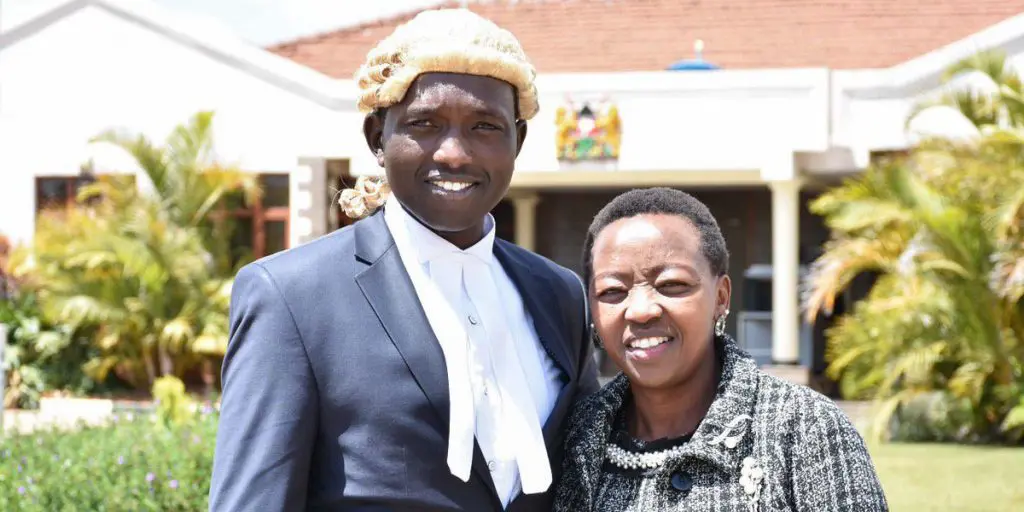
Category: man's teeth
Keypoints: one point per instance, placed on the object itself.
(453, 186)
(648, 342)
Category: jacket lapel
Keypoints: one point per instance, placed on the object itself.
(387, 287)
(542, 302)
(389, 291)
(731, 413)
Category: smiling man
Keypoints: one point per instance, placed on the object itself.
(411, 361)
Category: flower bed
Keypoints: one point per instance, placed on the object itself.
(135, 463)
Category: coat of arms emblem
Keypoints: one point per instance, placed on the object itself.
(588, 131)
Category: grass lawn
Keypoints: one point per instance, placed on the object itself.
(926, 477)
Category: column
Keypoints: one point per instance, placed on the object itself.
(525, 206)
(308, 201)
(785, 271)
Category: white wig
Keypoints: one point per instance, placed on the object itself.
(445, 41)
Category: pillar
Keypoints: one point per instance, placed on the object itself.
(309, 201)
(525, 206)
(785, 271)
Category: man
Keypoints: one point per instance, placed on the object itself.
(411, 361)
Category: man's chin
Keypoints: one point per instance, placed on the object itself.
(447, 222)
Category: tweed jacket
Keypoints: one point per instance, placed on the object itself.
(810, 455)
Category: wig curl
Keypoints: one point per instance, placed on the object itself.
(445, 41)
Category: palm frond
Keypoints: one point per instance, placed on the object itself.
(843, 260)
(991, 63)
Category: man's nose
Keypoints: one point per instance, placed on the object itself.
(453, 151)
(642, 307)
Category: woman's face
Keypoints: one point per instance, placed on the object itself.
(655, 298)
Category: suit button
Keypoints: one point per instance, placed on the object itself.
(682, 482)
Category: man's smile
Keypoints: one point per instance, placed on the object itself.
(451, 186)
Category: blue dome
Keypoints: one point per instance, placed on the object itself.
(692, 65)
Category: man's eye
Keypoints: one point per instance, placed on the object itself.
(488, 126)
(421, 123)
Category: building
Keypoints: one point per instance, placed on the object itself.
(777, 105)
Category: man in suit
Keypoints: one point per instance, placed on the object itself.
(411, 361)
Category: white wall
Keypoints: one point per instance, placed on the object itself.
(871, 107)
(686, 121)
(693, 121)
(95, 70)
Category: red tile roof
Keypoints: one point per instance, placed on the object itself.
(646, 35)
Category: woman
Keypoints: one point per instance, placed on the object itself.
(691, 423)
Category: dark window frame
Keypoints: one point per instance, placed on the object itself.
(260, 215)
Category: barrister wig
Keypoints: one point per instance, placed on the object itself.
(445, 41)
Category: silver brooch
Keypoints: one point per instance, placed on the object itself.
(751, 476)
(731, 441)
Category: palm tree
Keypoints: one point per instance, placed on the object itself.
(943, 325)
(187, 179)
(146, 273)
(997, 100)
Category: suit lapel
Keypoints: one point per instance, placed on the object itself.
(389, 291)
(542, 301)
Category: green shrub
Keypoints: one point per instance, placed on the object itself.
(40, 356)
(173, 405)
(131, 465)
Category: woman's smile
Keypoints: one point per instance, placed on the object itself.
(648, 349)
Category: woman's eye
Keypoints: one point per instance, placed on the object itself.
(421, 123)
(673, 288)
(611, 295)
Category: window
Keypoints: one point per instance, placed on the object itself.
(261, 228)
(59, 192)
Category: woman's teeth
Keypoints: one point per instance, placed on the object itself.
(644, 343)
(453, 186)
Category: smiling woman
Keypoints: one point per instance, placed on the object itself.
(692, 423)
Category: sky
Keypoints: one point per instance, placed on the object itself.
(261, 22)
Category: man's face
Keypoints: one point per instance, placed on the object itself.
(449, 150)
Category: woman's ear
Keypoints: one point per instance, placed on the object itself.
(723, 294)
(373, 131)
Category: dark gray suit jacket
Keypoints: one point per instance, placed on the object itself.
(335, 388)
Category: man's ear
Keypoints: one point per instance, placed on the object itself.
(520, 135)
(373, 130)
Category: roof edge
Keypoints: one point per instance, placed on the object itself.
(925, 72)
(216, 43)
(359, 25)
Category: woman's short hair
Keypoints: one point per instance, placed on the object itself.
(662, 200)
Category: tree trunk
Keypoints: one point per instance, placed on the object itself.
(166, 363)
(147, 359)
(209, 376)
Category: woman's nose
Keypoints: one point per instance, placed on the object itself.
(641, 307)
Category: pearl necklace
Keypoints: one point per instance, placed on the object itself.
(648, 460)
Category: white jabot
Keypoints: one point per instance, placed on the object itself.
(502, 385)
